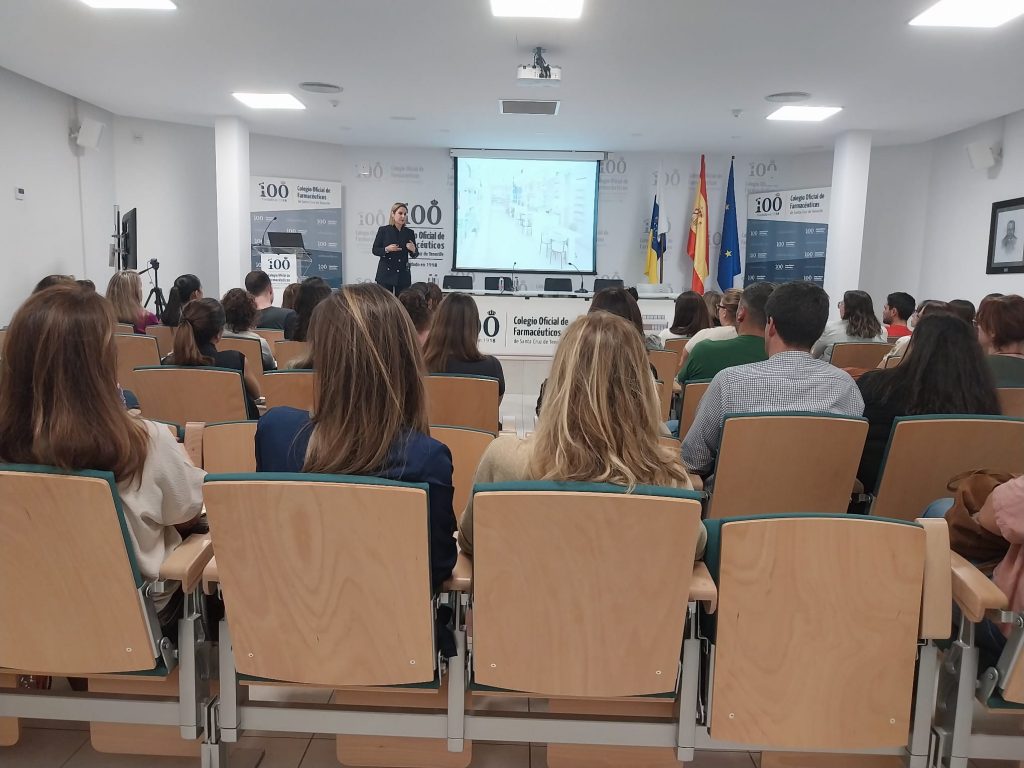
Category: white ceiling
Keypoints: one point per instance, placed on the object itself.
(638, 75)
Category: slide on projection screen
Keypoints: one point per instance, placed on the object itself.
(538, 215)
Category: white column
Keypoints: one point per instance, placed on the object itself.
(233, 228)
(850, 166)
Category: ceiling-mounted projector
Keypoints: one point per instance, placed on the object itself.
(539, 72)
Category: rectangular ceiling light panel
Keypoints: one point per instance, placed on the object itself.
(269, 100)
(538, 9)
(132, 5)
(804, 114)
(969, 13)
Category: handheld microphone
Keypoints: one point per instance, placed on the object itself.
(263, 240)
(514, 276)
(581, 288)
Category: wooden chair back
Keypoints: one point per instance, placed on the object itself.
(693, 391)
(776, 463)
(3, 340)
(228, 447)
(925, 452)
(252, 350)
(816, 633)
(670, 442)
(678, 346)
(272, 335)
(343, 564)
(183, 394)
(124, 328)
(287, 352)
(71, 598)
(665, 362)
(558, 557)
(134, 352)
(1013, 688)
(665, 398)
(164, 336)
(467, 446)
(1011, 399)
(856, 354)
(294, 388)
(892, 362)
(462, 401)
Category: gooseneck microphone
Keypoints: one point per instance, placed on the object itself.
(513, 286)
(581, 288)
(263, 240)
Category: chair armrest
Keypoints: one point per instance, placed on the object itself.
(974, 593)
(462, 575)
(937, 595)
(186, 563)
(702, 587)
(194, 441)
(697, 481)
(210, 577)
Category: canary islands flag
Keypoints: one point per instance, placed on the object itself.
(729, 255)
(655, 244)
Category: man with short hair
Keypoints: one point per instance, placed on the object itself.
(789, 380)
(896, 313)
(258, 284)
(711, 356)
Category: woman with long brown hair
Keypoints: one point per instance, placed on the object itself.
(857, 323)
(369, 415)
(124, 292)
(60, 407)
(452, 346)
(691, 315)
(600, 423)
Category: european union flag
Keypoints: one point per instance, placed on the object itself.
(729, 256)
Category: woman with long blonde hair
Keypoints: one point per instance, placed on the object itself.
(370, 412)
(600, 423)
(124, 292)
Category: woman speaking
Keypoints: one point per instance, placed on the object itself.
(392, 246)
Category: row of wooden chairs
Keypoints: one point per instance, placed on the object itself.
(812, 632)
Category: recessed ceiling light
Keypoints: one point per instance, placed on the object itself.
(538, 9)
(787, 97)
(805, 114)
(132, 5)
(269, 100)
(969, 13)
(315, 87)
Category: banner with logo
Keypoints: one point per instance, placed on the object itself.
(307, 208)
(787, 236)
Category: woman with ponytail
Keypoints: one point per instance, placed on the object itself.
(185, 289)
(195, 344)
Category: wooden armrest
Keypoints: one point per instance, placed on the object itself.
(974, 593)
(462, 575)
(937, 595)
(210, 577)
(676, 386)
(702, 587)
(697, 481)
(186, 563)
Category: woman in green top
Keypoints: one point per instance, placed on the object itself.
(1000, 324)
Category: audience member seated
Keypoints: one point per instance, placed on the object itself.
(415, 303)
(599, 383)
(710, 357)
(195, 344)
(452, 344)
(291, 293)
(896, 314)
(944, 371)
(258, 284)
(963, 309)
(371, 417)
(312, 291)
(124, 292)
(725, 325)
(51, 280)
(691, 315)
(434, 296)
(88, 285)
(60, 407)
(857, 323)
(713, 300)
(789, 380)
(900, 346)
(240, 318)
(1001, 333)
(185, 289)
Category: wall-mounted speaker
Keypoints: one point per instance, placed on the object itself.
(983, 155)
(88, 133)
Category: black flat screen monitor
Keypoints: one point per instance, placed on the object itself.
(285, 240)
(129, 240)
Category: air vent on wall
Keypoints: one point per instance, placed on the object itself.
(524, 107)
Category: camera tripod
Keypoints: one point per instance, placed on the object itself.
(155, 294)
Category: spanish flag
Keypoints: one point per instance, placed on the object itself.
(697, 245)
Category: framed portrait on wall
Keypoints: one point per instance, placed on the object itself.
(1006, 238)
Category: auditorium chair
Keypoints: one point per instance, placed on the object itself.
(227, 446)
(786, 462)
(980, 716)
(271, 335)
(124, 328)
(558, 284)
(665, 362)
(183, 394)
(287, 352)
(250, 348)
(925, 452)
(1011, 399)
(76, 605)
(601, 283)
(134, 352)
(457, 282)
(857, 354)
(693, 391)
(678, 346)
(462, 401)
(665, 393)
(164, 336)
(292, 387)
(467, 447)
(326, 582)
